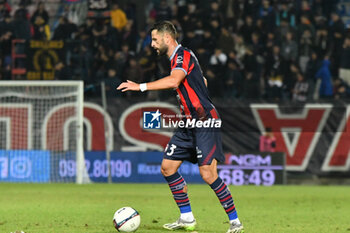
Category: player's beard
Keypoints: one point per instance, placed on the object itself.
(162, 50)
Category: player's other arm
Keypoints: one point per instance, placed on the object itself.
(169, 82)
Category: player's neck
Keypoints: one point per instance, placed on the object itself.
(171, 48)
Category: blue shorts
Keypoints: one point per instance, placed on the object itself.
(196, 145)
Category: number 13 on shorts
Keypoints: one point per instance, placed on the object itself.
(171, 149)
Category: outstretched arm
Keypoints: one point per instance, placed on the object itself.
(168, 82)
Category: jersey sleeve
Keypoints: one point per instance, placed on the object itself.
(181, 61)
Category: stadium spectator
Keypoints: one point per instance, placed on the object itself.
(100, 60)
(247, 28)
(344, 72)
(112, 81)
(232, 57)
(310, 72)
(226, 41)
(274, 74)
(267, 14)
(191, 40)
(230, 9)
(65, 30)
(305, 25)
(40, 24)
(178, 27)
(163, 11)
(214, 27)
(324, 75)
(217, 66)
(130, 12)
(22, 11)
(215, 14)
(181, 8)
(336, 33)
(290, 76)
(6, 36)
(117, 62)
(133, 71)
(251, 88)
(129, 36)
(289, 50)
(218, 59)
(233, 81)
(257, 47)
(99, 33)
(267, 141)
(118, 17)
(248, 8)
(341, 89)
(239, 46)
(322, 42)
(261, 28)
(285, 13)
(146, 61)
(63, 72)
(300, 91)
(143, 40)
(83, 56)
(189, 18)
(306, 9)
(21, 24)
(208, 41)
(305, 49)
(204, 56)
(4, 10)
(40, 12)
(269, 42)
(282, 30)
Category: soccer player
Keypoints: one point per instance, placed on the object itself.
(195, 144)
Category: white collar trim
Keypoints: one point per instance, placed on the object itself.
(172, 55)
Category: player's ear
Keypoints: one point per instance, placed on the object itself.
(167, 37)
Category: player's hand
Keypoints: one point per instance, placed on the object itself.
(129, 86)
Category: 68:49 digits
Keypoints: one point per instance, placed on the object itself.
(245, 177)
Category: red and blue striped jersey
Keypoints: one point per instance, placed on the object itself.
(192, 93)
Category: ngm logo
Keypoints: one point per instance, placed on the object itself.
(151, 120)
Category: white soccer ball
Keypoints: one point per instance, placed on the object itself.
(126, 219)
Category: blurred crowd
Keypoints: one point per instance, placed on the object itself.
(262, 49)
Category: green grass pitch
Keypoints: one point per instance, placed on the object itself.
(35, 208)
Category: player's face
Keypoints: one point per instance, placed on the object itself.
(158, 43)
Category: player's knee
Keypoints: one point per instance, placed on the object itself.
(208, 177)
(166, 171)
(185, 189)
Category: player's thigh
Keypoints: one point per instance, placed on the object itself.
(209, 146)
(181, 147)
(177, 152)
(169, 167)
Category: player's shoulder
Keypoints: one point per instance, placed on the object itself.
(184, 51)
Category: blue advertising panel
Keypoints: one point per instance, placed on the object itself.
(24, 166)
(137, 167)
(63, 167)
